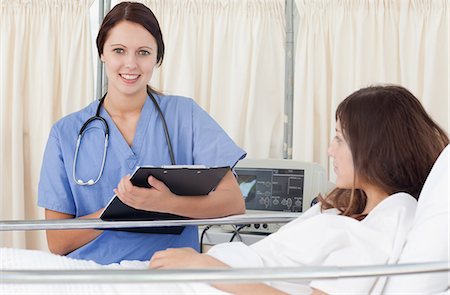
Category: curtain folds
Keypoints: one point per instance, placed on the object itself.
(42, 78)
(228, 56)
(348, 44)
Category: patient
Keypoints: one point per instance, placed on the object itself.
(384, 147)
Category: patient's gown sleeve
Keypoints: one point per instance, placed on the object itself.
(238, 254)
(333, 240)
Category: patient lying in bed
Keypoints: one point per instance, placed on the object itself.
(304, 241)
(309, 240)
(365, 221)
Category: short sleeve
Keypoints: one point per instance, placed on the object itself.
(54, 191)
(211, 144)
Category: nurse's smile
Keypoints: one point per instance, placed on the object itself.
(129, 78)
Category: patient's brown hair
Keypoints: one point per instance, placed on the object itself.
(393, 141)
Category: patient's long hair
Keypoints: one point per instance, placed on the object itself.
(393, 141)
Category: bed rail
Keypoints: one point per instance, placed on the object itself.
(236, 275)
(59, 224)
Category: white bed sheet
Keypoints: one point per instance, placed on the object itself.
(19, 259)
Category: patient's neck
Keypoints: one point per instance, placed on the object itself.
(374, 196)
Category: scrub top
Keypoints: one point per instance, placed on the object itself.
(196, 139)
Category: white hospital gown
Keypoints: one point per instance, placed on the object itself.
(328, 239)
(313, 239)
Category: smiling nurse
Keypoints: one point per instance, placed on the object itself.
(132, 125)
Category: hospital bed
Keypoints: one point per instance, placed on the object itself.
(422, 268)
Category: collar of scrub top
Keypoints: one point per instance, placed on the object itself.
(97, 116)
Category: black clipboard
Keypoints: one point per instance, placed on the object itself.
(181, 180)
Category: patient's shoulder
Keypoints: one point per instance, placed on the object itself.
(398, 202)
(393, 214)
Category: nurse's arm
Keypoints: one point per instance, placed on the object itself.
(225, 200)
(62, 242)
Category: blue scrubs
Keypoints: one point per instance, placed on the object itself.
(196, 139)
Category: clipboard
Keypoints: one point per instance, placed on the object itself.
(181, 180)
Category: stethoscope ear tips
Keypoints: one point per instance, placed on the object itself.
(79, 181)
(90, 182)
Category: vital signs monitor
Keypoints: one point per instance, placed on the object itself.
(276, 185)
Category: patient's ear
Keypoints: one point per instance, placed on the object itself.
(428, 239)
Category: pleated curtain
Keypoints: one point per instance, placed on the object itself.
(229, 57)
(46, 72)
(344, 45)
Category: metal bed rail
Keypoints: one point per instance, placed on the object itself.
(60, 224)
(236, 275)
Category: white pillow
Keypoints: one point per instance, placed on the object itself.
(428, 240)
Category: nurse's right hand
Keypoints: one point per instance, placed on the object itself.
(157, 198)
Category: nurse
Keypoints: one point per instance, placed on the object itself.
(130, 45)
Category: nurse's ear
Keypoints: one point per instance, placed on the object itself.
(102, 58)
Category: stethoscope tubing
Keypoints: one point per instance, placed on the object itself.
(97, 116)
(90, 181)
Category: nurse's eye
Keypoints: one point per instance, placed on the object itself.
(143, 52)
(337, 139)
(118, 50)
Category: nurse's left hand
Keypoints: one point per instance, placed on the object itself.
(183, 258)
(156, 198)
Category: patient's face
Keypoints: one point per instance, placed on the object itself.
(339, 150)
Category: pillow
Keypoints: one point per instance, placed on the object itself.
(428, 240)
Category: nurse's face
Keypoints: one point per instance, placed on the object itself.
(129, 55)
(342, 159)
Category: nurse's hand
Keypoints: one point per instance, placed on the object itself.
(156, 198)
(184, 258)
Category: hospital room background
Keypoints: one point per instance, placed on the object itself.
(270, 72)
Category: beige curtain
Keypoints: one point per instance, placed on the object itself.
(46, 72)
(228, 56)
(348, 44)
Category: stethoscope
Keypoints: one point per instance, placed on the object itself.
(97, 117)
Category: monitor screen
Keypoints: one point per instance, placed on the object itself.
(272, 189)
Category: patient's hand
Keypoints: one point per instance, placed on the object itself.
(184, 258)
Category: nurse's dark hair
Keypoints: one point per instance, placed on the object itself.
(393, 141)
(134, 12)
